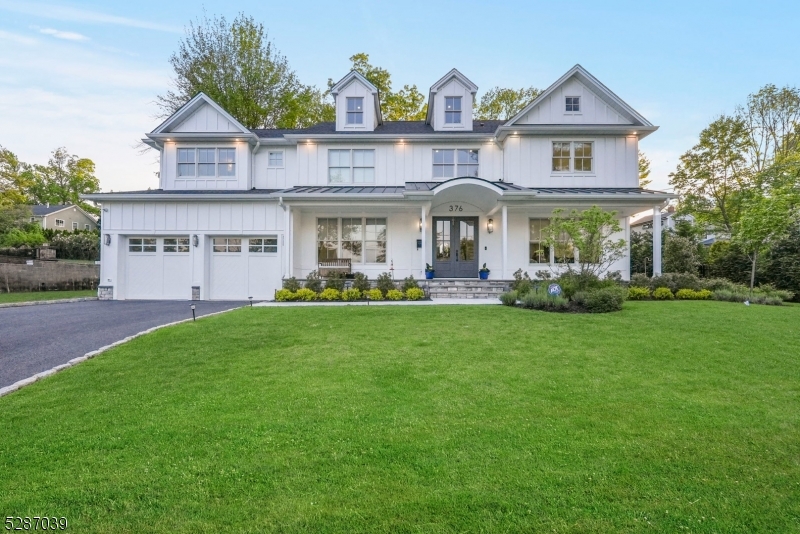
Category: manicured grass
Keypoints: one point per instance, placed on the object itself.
(6, 298)
(666, 417)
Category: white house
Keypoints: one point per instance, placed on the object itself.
(239, 210)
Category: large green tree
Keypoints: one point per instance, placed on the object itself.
(63, 180)
(772, 117)
(501, 103)
(644, 170)
(15, 178)
(239, 67)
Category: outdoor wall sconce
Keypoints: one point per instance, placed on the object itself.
(195, 241)
(420, 225)
(490, 226)
(107, 239)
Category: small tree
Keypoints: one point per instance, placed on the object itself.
(680, 254)
(590, 233)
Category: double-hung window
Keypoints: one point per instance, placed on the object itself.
(142, 244)
(574, 156)
(355, 110)
(176, 244)
(361, 239)
(452, 110)
(455, 163)
(355, 166)
(186, 161)
(60, 223)
(227, 244)
(227, 162)
(263, 245)
(74, 226)
(206, 162)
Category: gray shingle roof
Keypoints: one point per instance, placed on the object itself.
(487, 127)
(40, 210)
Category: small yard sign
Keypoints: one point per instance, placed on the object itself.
(554, 290)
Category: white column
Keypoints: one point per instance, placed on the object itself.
(290, 240)
(505, 242)
(656, 240)
(423, 253)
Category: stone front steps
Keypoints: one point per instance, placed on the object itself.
(464, 288)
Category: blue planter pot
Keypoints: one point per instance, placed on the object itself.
(429, 275)
(484, 275)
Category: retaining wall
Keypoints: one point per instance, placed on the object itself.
(48, 276)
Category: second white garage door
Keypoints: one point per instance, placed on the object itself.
(243, 267)
(158, 268)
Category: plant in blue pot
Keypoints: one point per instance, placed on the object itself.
(484, 272)
(429, 271)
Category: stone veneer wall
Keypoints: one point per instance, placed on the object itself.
(48, 276)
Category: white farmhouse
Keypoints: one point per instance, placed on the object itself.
(239, 210)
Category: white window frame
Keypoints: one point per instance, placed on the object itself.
(269, 159)
(351, 166)
(179, 244)
(572, 157)
(226, 245)
(567, 103)
(459, 111)
(455, 164)
(60, 223)
(217, 164)
(365, 242)
(260, 245)
(356, 113)
(142, 245)
(74, 225)
(552, 260)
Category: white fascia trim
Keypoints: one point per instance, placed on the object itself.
(386, 138)
(454, 73)
(349, 77)
(190, 106)
(203, 136)
(573, 129)
(344, 197)
(100, 197)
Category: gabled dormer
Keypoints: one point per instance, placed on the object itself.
(450, 103)
(358, 106)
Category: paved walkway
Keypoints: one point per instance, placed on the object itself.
(37, 338)
(434, 302)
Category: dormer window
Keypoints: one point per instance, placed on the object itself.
(573, 104)
(452, 110)
(355, 110)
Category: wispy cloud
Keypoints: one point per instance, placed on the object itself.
(58, 34)
(72, 14)
(19, 39)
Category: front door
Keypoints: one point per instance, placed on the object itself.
(455, 247)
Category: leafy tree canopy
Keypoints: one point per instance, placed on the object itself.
(15, 178)
(63, 180)
(644, 170)
(501, 103)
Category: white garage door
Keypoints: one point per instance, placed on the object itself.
(158, 268)
(243, 267)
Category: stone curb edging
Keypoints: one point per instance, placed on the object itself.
(41, 302)
(75, 361)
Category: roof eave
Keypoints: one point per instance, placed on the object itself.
(641, 132)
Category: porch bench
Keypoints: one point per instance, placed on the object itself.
(341, 265)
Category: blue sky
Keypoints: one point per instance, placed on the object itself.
(85, 74)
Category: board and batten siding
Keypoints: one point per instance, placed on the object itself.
(453, 87)
(169, 168)
(206, 119)
(209, 217)
(551, 110)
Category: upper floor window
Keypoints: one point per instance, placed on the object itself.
(452, 110)
(573, 156)
(355, 110)
(573, 104)
(275, 159)
(206, 162)
(85, 226)
(355, 166)
(452, 163)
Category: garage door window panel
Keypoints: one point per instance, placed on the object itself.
(178, 244)
(227, 244)
(264, 245)
(142, 244)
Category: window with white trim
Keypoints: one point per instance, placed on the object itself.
(355, 110)
(572, 104)
(361, 239)
(74, 225)
(142, 244)
(206, 162)
(574, 156)
(275, 158)
(452, 110)
(60, 223)
(227, 244)
(454, 163)
(356, 166)
(539, 251)
(176, 244)
(266, 245)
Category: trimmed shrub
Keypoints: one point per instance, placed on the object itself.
(601, 300)
(537, 301)
(361, 282)
(313, 282)
(330, 293)
(523, 287)
(714, 284)
(335, 280)
(638, 293)
(663, 293)
(509, 298)
(394, 294)
(690, 294)
(414, 293)
(640, 280)
(291, 284)
(385, 283)
(409, 283)
(703, 294)
(305, 294)
(351, 294)
(284, 295)
(374, 294)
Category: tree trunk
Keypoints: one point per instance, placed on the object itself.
(753, 273)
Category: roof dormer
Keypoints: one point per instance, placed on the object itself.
(450, 103)
(358, 106)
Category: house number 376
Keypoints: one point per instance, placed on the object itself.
(456, 207)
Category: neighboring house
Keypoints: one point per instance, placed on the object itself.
(238, 210)
(63, 217)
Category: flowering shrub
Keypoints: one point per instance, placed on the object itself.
(305, 294)
(394, 294)
(663, 293)
(351, 294)
(414, 293)
(638, 293)
(330, 294)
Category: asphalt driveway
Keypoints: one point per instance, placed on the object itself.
(37, 338)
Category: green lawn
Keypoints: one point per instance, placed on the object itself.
(666, 417)
(6, 298)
